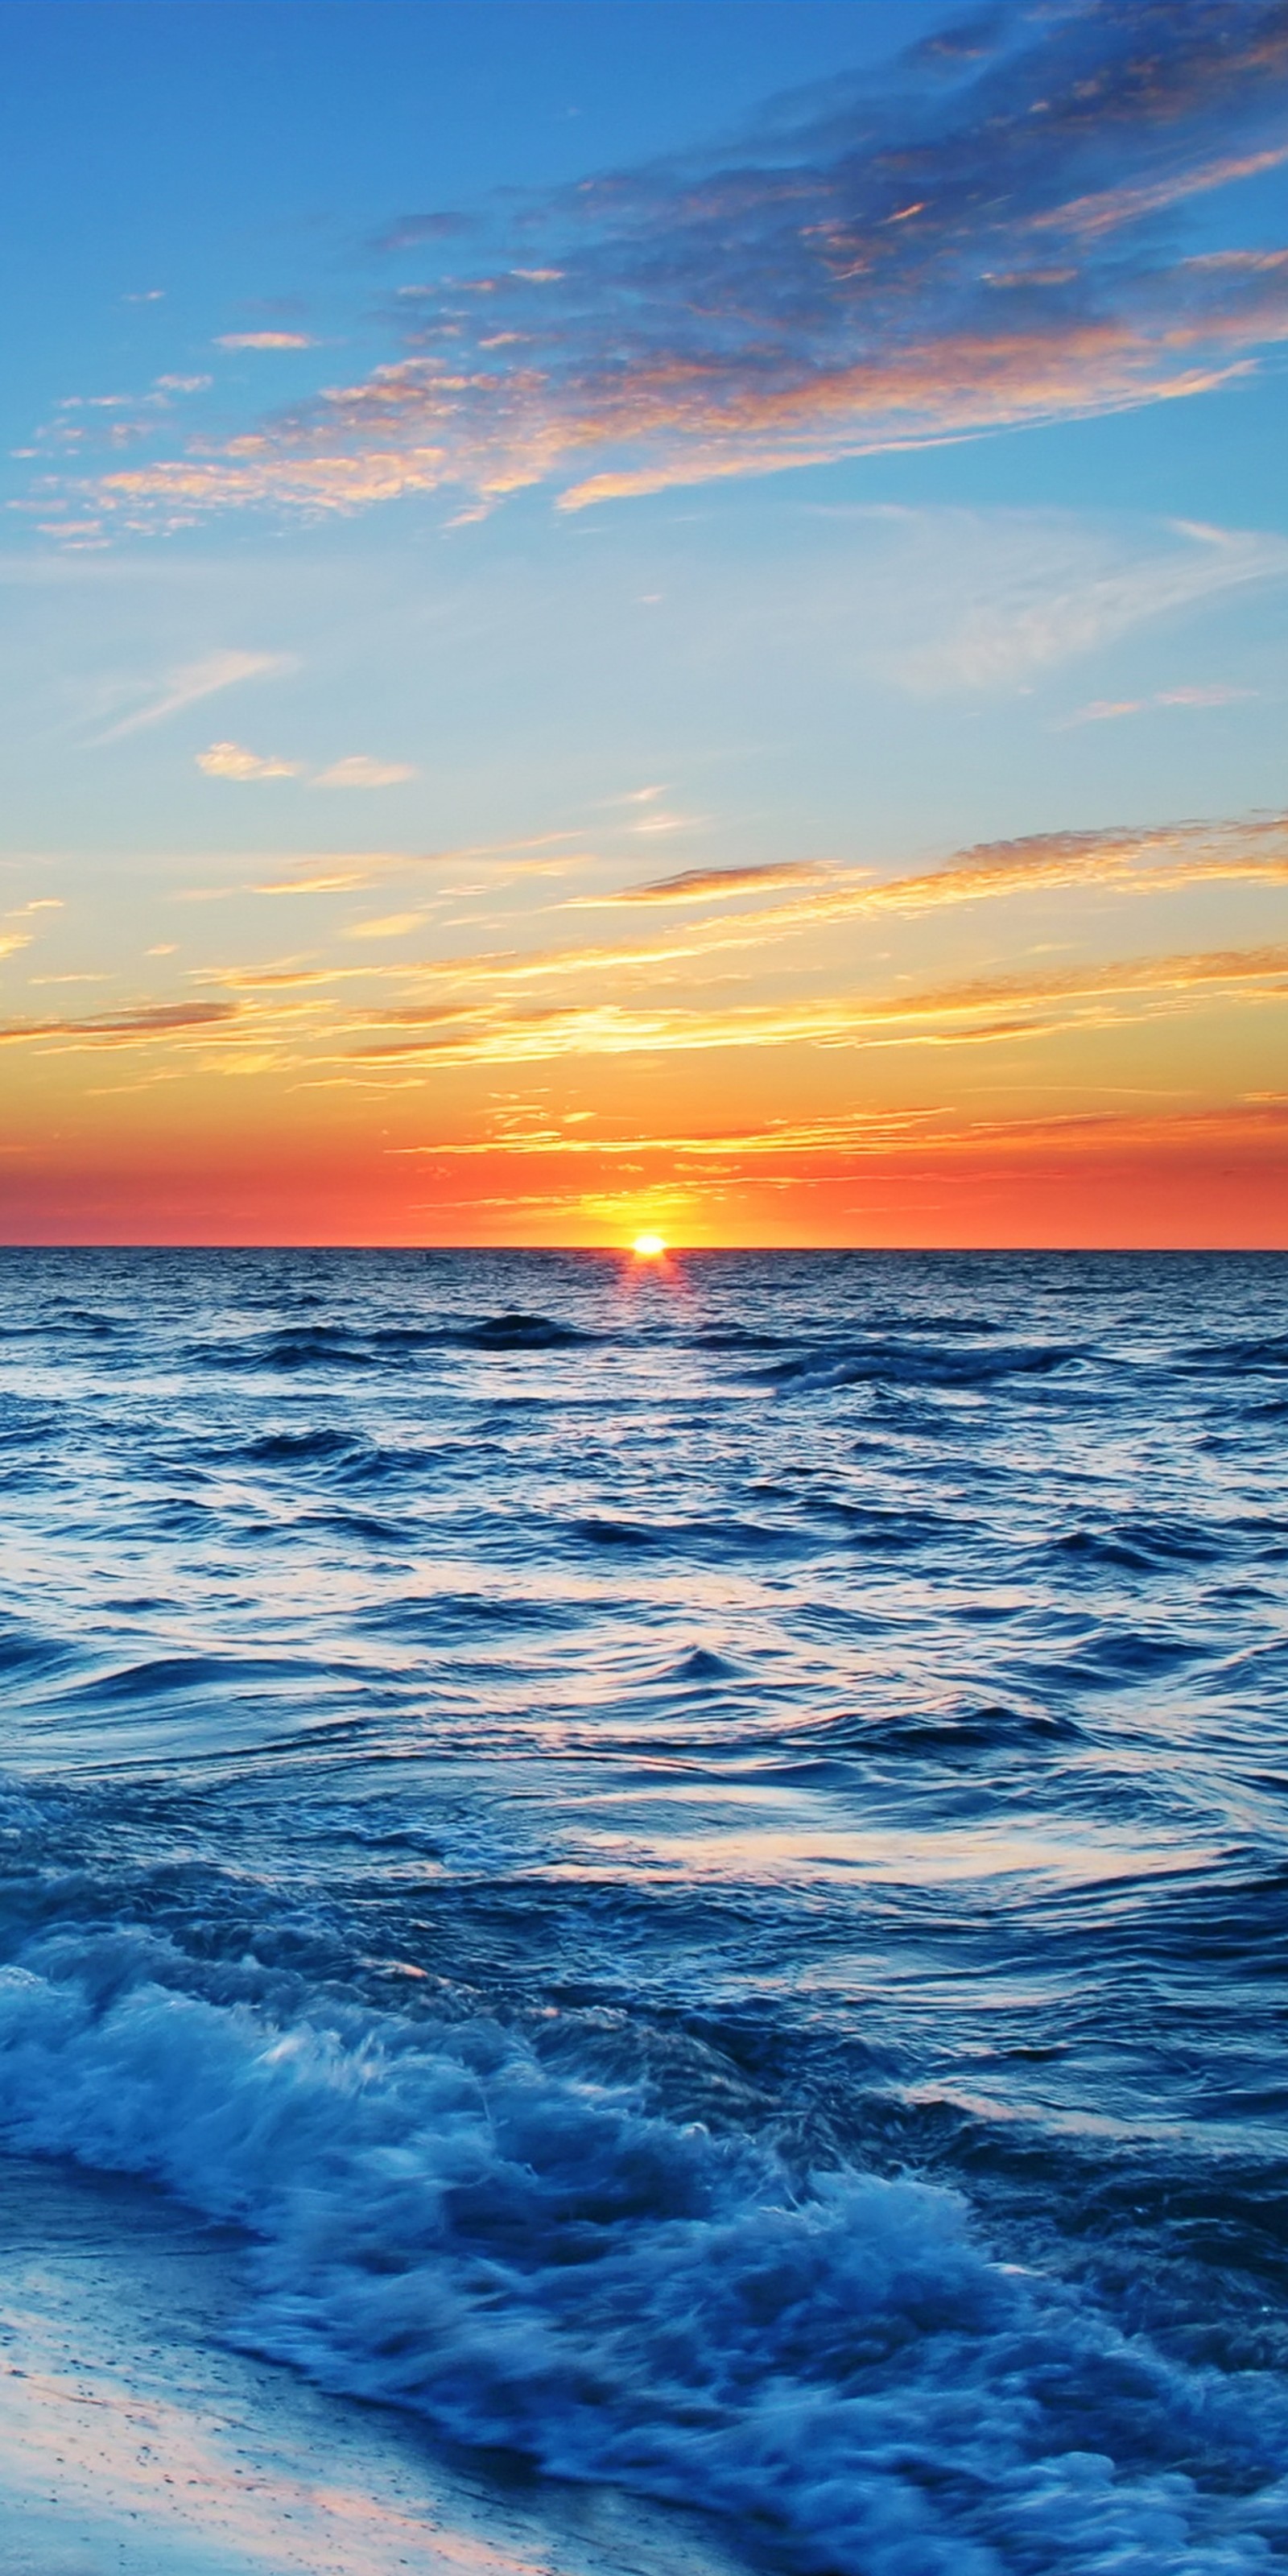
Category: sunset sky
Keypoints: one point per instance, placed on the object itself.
(645, 613)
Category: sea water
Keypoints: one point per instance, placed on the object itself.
(694, 1853)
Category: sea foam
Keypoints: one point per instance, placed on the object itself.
(536, 2262)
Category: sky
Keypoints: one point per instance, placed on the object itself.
(634, 615)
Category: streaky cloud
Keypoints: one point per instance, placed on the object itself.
(983, 1009)
(147, 1020)
(410, 232)
(1123, 860)
(704, 885)
(193, 681)
(994, 238)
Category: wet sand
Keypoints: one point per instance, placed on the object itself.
(134, 2441)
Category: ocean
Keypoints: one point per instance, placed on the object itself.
(688, 1860)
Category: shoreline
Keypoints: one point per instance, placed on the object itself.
(136, 2441)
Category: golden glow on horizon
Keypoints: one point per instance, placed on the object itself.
(1109, 1087)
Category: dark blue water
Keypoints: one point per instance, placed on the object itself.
(696, 1856)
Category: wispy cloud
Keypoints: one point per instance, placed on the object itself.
(836, 1145)
(838, 1142)
(411, 232)
(284, 977)
(360, 771)
(129, 1027)
(193, 681)
(987, 600)
(232, 760)
(333, 879)
(12, 937)
(1124, 861)
(984, 1009)
(866, 268)
(859, 1130)
(667, 992)
(390, 925)
(1108, 710)
(1160, 855)
(264, 340)
(709, 885)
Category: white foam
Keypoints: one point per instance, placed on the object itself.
(530, 2260)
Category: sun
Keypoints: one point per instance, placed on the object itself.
(649, 1247)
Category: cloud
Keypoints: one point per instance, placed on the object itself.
(856, 1130)
(870, 266)
(359, 771)
(705, 885)
(837, 1144)
(1111, 209)
(1217, 695)
(984, 600)
(263, 340)
(838, 1141)
(149, 1020)
(12, 940)
(1123, 860)
(591, 1001)
(658, 820)
(1139, 860)
(410, 232)
(269, 979)
(229, 760)
(330, 879)
(983, 1009)
(392, 925)
(193, 681)
(1105, 710)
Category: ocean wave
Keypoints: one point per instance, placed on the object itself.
(536, 2262)
(26, 1650)
(573, 1800)
(298, 1448)
(178, 1677)
(1144, 1546)
(997, 1728)
(1240, 1356)
(326, 1345)
(520, 1332)
(915, 1363)
(432, 1618)
(706, 1539)
(298, 1346)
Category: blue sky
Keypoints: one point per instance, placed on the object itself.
(482, 477)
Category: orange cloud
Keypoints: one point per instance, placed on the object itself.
(699, 885)
(128, 1027)
(1129, 861)
(985, 1008)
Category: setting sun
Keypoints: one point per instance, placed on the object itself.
(649, 1247)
